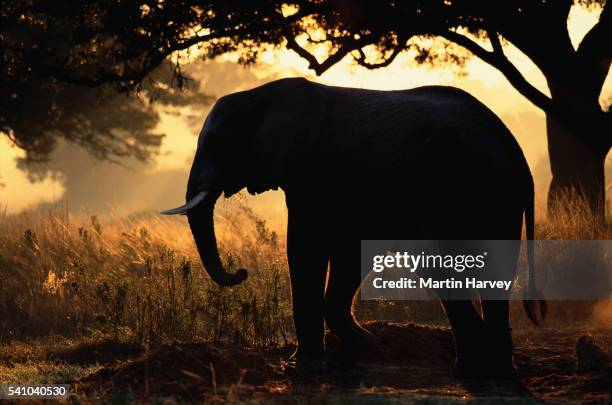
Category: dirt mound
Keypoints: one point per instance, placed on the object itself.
(409, 362)
(190, 370)
(101, 352)
(411, 345)
(184, 370)
(591, 357)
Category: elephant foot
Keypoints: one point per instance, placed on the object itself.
(500, 358)
(471, 352)
(488, 358)
(469, 371)
(304, 364)
(348, 347)
(481, 370)
(503, 371)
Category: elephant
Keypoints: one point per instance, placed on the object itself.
(354, 164)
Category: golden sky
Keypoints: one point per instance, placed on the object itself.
(483, 81)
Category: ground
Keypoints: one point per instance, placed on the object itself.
(411, 364)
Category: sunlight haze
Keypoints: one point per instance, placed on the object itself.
(526, 121)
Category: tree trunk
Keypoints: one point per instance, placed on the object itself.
(577, 167)
(577, 170)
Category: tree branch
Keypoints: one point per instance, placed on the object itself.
(514, 76)
(499, 61)
(495, 43)
(595, 50)
(386, 62)
(319, 67)
(61, 73)
(598, 38)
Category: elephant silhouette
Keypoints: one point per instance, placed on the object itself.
(430, 163)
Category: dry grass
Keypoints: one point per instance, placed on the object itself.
(107, 303)
(570, 220)
(140, 278)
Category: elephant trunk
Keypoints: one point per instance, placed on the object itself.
(202, 226)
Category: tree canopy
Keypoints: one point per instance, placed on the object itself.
(38, 108)
(48, 45)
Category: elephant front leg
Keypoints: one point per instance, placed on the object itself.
(307, 267)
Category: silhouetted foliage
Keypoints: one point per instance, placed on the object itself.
(95, 43)
(37, 108)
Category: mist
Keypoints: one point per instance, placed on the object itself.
(130, 186)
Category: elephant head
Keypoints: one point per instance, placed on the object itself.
(255, 139)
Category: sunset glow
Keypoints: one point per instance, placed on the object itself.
(485, 82)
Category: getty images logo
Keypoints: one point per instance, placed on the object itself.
(411, 262)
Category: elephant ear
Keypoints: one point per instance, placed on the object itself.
(291, 114)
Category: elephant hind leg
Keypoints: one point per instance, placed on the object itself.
(469, 333)
(342, 285)
(499, 338)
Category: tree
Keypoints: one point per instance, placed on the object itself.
(110, 126)
(121, 42)
(38, 109)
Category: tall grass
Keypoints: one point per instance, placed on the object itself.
(140, 278)
(570, 219)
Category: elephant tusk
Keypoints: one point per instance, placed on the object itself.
(189, 205)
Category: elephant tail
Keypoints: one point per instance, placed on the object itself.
(533, 301)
